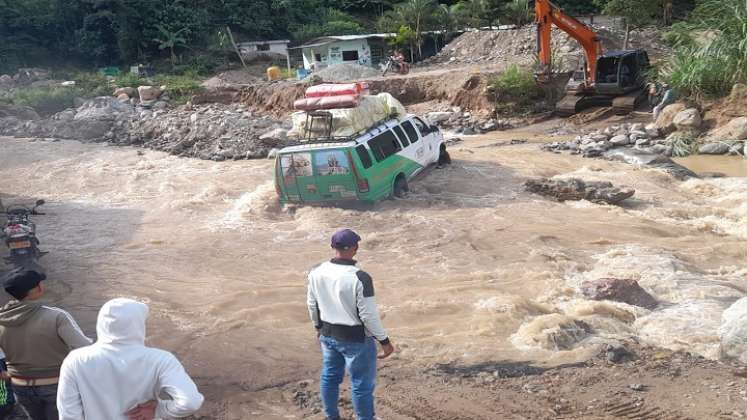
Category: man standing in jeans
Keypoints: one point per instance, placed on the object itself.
(35, 339)
(343, 308)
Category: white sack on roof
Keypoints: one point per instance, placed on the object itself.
(373, 109)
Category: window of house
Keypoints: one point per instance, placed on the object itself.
(364, 156)
(384, 145)
(401, 135)
(350, 55)
(317, 57)
(263, 47)
(411, 133)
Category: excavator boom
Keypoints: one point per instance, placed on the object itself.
(548, 14)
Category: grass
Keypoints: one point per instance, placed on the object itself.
(45, 100)
(683, 144)
(710, 50)
(516, 90)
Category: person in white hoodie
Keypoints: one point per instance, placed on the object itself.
(119, 378)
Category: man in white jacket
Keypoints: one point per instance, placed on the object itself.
(119, 378)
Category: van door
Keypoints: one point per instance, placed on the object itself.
(431, 141)
(334, 177)
(296, 174)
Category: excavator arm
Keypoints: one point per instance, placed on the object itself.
(548, 14)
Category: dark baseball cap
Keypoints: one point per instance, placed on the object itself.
(345, 239)
(19, 282)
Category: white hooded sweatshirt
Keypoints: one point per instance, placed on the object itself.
(112, 376)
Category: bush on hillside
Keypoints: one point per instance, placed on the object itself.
(711, 51)
(45, 100)
(515, 91)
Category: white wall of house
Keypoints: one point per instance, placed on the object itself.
(273, 47)
(354, 51)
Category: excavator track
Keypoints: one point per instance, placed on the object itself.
(572, 103)
(625, 104)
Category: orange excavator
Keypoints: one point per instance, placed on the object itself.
(613, 78)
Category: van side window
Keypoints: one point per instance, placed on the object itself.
(384, 145)
(364, 156)
(401, 135)
(421, 126)
(411, 133)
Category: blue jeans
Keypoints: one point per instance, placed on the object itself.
(39, 401)
(360, 361)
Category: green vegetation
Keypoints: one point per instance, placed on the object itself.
(710, 50)
(515, 91)
(45, 100)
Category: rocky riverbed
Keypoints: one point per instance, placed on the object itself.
(209, 131)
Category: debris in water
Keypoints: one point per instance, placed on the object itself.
(577, 189)
(620, 290)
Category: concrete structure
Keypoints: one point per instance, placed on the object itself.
(277, 46)
(366, 50)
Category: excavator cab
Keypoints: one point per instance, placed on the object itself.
(621, 72)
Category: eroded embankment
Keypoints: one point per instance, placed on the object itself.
(457, 88)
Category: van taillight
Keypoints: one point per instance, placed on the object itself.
(362, 182)
(363, 185)
(277, 174)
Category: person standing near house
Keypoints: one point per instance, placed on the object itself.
(36, 339)
(342, 306)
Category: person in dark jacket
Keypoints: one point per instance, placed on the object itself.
(36, 339)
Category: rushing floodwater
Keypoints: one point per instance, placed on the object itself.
(469, 267)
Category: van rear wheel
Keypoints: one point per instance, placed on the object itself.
(400, 187)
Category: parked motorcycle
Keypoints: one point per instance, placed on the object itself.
(395, 65)
(19, 234)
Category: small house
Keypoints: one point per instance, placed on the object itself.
(277, 46)
(366, 50)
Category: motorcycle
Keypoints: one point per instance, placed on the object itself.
(395, 65)
(19, 234)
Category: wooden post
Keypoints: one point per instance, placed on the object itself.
(235, 47)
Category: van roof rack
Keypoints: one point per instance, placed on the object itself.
(374, 129)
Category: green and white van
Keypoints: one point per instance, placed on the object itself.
(371, 166)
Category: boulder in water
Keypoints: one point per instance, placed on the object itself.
(577, 189)
(714, 149)
(733, 332)
(551, 332)
(619, 290)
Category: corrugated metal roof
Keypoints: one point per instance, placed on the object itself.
(273, 41)
(325, 40)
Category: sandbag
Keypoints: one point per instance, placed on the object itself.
(371, 111)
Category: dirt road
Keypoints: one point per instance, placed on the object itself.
(460, 266)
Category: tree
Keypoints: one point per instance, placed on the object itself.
(418, 15)
(636, 13)
(170, 39)
(517, 12)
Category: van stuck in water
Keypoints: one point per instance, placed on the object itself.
(373, 165)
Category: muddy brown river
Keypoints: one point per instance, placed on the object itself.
(468, 268)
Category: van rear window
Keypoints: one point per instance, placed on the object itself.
(401, 135)
(384, 145)
(364, 156)
(411, 133)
